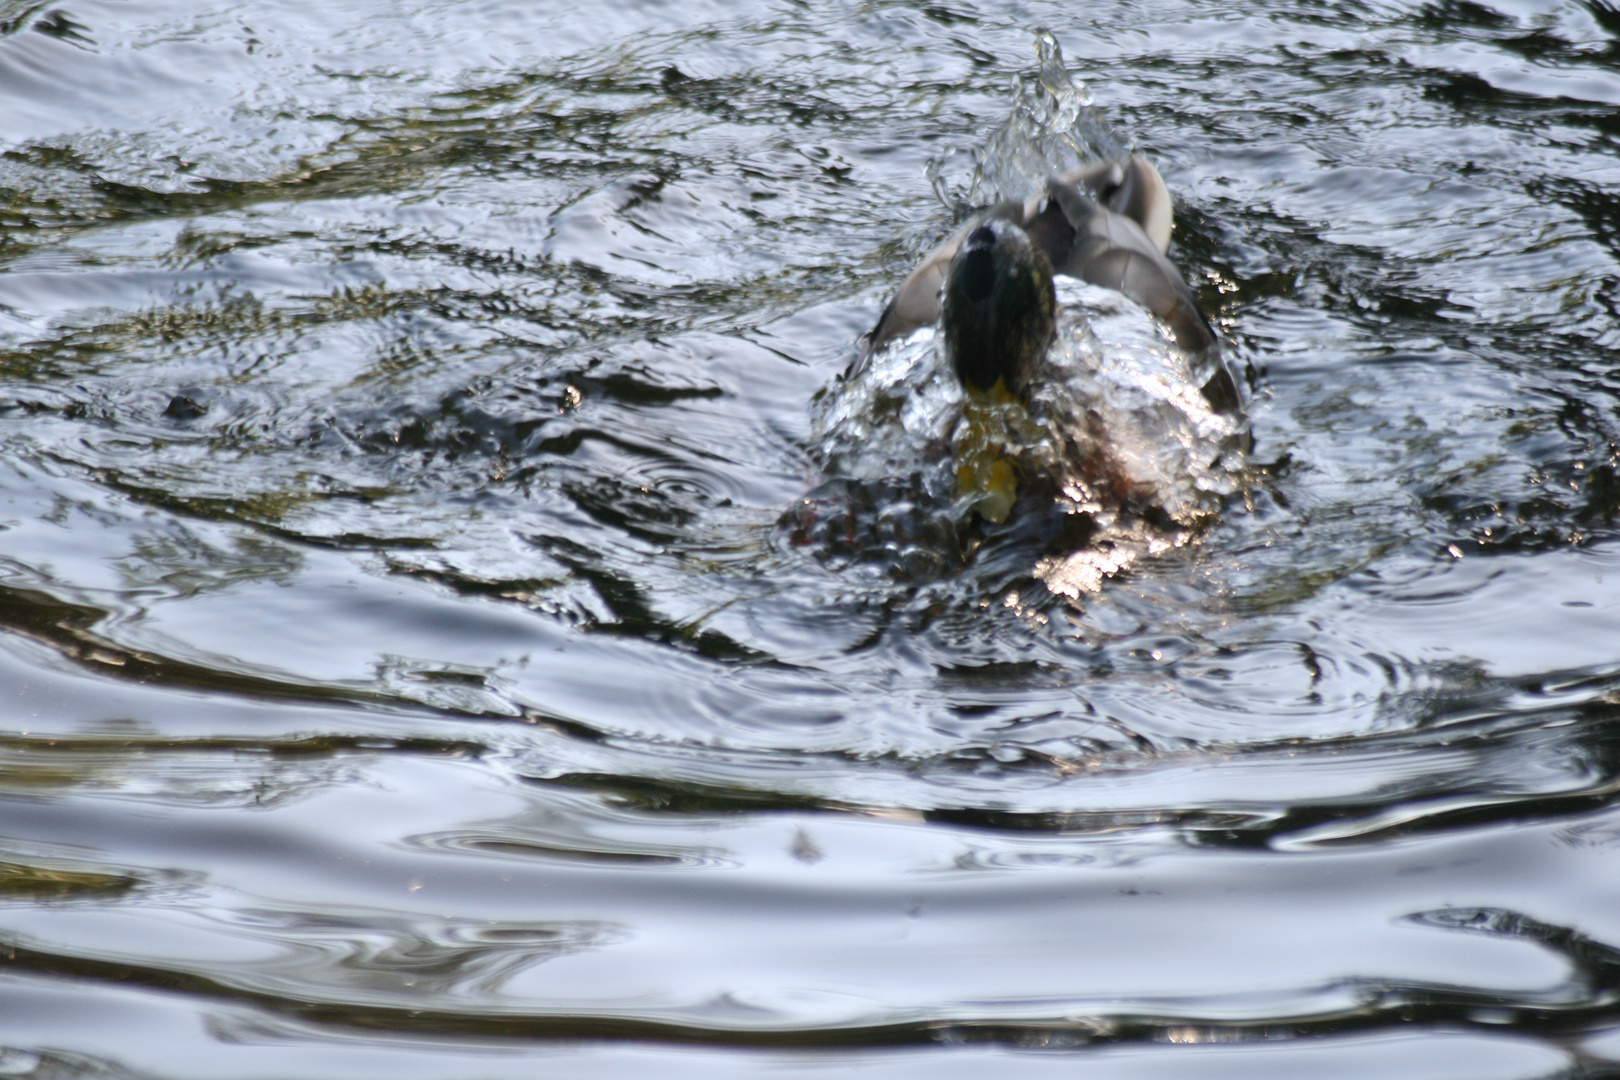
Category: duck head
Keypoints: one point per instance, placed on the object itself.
(998, 308)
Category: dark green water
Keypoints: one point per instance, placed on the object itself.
(403, 672)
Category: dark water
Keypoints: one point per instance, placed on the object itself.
(405, 675)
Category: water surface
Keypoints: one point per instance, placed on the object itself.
(405, 672)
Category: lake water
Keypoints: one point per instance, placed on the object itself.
(405, 671)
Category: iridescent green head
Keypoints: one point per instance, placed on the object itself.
(998, 308)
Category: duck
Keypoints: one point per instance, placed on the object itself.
(989, 290)
(989, 285)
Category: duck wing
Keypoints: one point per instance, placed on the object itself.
(1131, 187)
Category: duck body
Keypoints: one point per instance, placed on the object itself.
(1107, 224)
(1071, 433)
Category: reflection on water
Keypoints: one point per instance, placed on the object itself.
(430, 648)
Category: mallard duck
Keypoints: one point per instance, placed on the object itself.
(989, 285)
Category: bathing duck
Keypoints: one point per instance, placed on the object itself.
(989, 285)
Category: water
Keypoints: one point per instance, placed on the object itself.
(407, 671)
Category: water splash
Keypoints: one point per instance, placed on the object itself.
(1119, 387)
(1137, 446)
(883, 440)
(1051, 128)
(1116, 437)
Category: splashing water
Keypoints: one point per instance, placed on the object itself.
(1051, 129)
(1114, 369)
(1116, 434)
(1140, 449)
